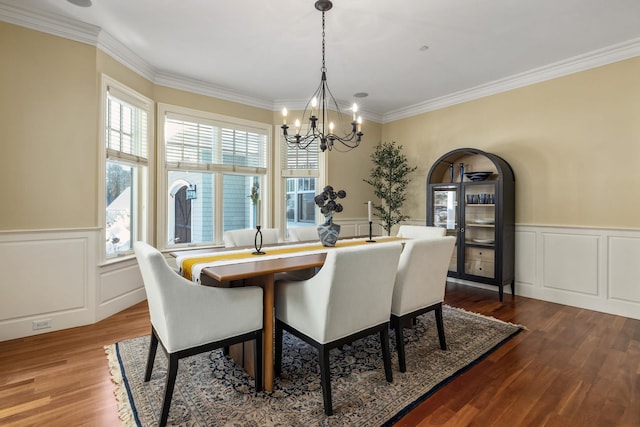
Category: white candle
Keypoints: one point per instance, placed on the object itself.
(284, 116)
(369, 209)
(259, 213)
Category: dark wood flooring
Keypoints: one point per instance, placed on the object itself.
(571, 367)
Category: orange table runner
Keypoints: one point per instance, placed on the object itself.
(187, 263)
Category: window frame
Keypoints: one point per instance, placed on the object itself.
(219, 170)
(280, 209)
(143, 188)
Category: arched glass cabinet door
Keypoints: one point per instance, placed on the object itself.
(445, 213)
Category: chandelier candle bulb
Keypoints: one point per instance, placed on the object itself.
(355, 110)
(331, 127)
(314, 104)
(297, 127)
(359, 123)
(284, 116)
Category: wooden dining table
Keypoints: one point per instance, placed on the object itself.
(257, 272)
(262, 272)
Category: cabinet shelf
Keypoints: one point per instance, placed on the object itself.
(485, 232)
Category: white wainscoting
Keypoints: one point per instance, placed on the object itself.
(53, 275)
(593, 268)
(354, 227)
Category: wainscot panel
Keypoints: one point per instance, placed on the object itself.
(119, 287)
(592, 268)
(47, 280)
(624, 267)
(570, 262)
(50, 279)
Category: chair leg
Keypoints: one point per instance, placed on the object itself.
(153, 346)
(386, 353)
(440, 324)
(397, 325)
(257, 357)
(325, 379)
(278, 349)
(172, 372)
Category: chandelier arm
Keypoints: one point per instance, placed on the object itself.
(326, 102)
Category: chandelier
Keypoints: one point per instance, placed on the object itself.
(317, 111)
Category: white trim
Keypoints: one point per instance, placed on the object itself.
(107, 289)
(144, 214)
(54, 24)
(596, 58)
(89, 34)
(280, 200)
(176, 81)
(217, 120)
(121, 53)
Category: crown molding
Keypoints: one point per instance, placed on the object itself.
(181, 82)
(90, 34)
(608, 55)
(49, 23)
(121, 53)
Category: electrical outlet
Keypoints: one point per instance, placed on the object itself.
(41, 324)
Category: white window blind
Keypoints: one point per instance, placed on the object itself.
(126, 130)
(296, 161)
(204, 145)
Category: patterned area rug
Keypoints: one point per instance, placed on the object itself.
(212, 391)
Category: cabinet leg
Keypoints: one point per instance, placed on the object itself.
(501, 291)
(513, 288)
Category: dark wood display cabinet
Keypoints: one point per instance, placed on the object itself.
(471, 193)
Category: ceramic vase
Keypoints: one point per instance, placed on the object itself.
(328, 232)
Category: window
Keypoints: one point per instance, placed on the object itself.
(212, 165)
(128, 130)
(301, 173)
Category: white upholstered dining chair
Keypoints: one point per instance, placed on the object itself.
(420, 231)
(349, 298)
(247, 236)
(303, 234)
(420, 286)
(187, 319)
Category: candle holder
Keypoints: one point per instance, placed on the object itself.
(258, 242)
(370, 240)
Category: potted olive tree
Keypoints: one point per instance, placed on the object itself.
(389, 181)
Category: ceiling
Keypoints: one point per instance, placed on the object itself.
(402, 53)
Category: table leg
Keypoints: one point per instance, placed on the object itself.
(267, 357)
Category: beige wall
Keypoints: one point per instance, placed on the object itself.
(50, 108)
(573, 142)
(48, 129)
(347, 170)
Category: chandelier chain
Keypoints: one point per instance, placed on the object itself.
(323, 44)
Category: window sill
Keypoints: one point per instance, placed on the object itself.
(118, 259)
